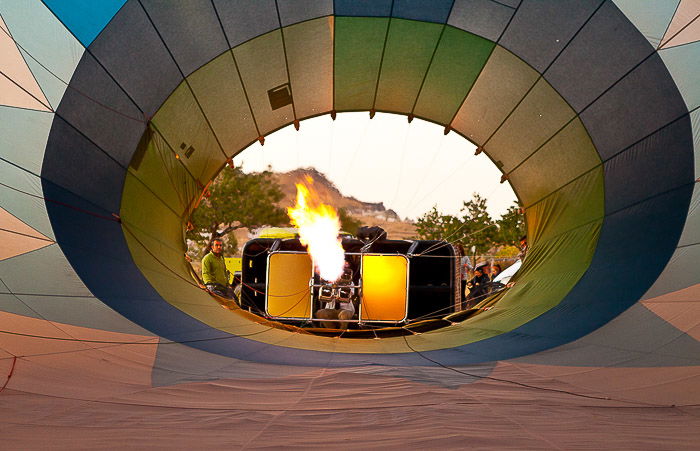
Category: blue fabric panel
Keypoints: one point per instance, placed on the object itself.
(190, 29)
(96, 248)
(68, 155)
(292, 12)
(634, 246)
(433, 11)
(605, 50)
(541, 28)
(660, 163)
(133, 53)
(657, 343)
(245, 19)
(483, 18)
(640, 104)
(84, 18)
(101, 110)
(363, 8)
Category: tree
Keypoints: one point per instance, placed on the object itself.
(237, 200)
(347, 222)
(511, 226)
(474, 227)
(434, 225)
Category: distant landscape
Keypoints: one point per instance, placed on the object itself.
(367, 213)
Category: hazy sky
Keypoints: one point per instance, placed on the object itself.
(408, 167)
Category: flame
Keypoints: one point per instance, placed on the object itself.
(318, 226)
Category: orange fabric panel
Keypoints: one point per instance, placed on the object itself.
(384, 287)
(64, 360)
(288, 278)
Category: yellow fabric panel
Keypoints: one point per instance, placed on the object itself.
(220, 92)
(500, 86)
(541, 114)
(310, 57)
(384, 287)
(263, 67)
(566, 156)
(288, 278)
(183, 126)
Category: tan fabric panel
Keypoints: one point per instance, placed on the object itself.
(220, 92)
(540, 115)
(636, 385)
(24, 239)
(310, 58)
(367, 407)
(17, 84)
(263, 67)
(680, 30)
(566, 156)
(500, 86)
(69, 368)
(680, 308)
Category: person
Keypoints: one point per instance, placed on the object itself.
(340, 304)
(476, 284)
(214, 273)
(465, 268)
(494, 271)
(523, 247)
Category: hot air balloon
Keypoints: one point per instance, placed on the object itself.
(117, 114)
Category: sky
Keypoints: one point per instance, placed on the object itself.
(408, 167)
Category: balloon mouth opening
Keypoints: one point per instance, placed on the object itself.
(382, 293)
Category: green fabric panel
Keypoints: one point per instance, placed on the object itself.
(409, 48)
(563, 229)
(220, 92)
(359, 42)
(143, 213)
(310, 58)
(500, 86)
(456, 65)
(164, 175)
(263, 67)
(540, 115)
(182, 124)
(155, 237)
(579, 202)
(537, 290)
(566, 156)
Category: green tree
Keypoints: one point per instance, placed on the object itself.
(237, 200)
(434, 225)
(347, 222)
(474, 227)
(511, 226)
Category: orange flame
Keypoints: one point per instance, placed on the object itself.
(318, 226)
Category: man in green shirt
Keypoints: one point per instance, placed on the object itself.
(214, 273)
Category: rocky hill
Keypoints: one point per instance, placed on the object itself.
(366, 212)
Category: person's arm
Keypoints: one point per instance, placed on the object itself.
(207, 275)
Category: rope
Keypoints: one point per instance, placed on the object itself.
(9, 376)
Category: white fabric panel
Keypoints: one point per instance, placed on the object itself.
(695, 120)
(652, 19)
(682, 270)
(24, 134)
(45, 40)
(27, 204)
(684, 65)
(42, 284)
